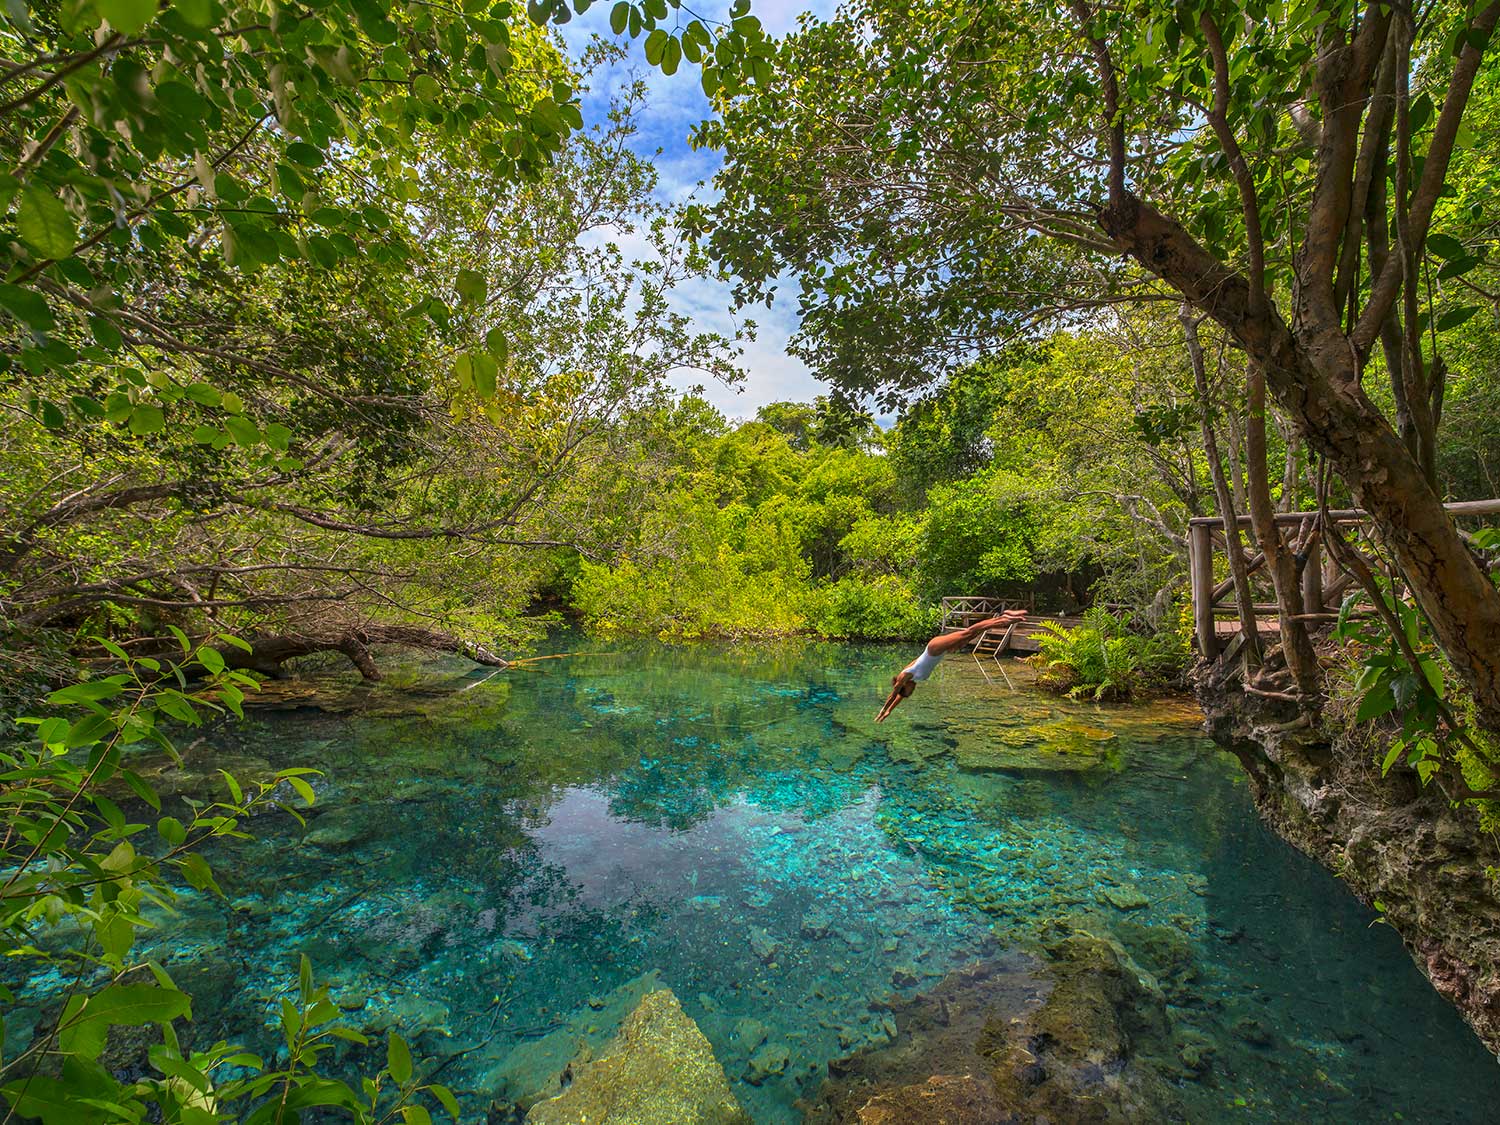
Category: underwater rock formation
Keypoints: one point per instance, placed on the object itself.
(951, 1099)
(1422, 858)
(660, 1070)
(1084, 1038)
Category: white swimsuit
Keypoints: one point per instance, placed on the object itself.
(923, 666)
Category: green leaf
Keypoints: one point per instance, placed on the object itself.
(485, 370)
(1458, 267)
(309, 156)
(398, 1059)
(28, 306)
(88, 730)
(304, 790)
(212, 659)
(619, 16)
(1445, 246)
(415, 1115)
(199, 875)
(1433, 672)
(471, 287)
(671, 57)
(242, 430)
(45, 224)
(127, 16)
(52, 1100)
(1454, 317)
(119, 1004)
(146, 419)
(450, 1103)
(1379, 701)
(199, 13)
(171, 830)
(656, 44)
(88, 691)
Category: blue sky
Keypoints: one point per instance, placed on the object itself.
(675, 105)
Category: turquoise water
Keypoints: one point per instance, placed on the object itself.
(496, 861)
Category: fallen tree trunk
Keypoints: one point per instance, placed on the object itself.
(268, 653)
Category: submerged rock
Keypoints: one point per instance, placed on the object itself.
(763, 945)
(816, 924)
(949, 1099)
(534, 1070)
(1083, 1039)
(749, 1033)
(660, 1070)
(1124, 898)
(768, 1062)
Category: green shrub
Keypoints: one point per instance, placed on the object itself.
(1103, 659)
(881, 608)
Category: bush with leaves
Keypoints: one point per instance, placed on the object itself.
(883, 608)
(1103, 658)
(89, 860)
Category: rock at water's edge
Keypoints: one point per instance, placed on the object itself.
(659, 1070)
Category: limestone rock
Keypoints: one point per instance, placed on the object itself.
(816, 924)
(941, 1100)
(763, 945)
(1124, 898)
(533, 1071)
(660, 1070)
(768, 1062)
(749, 1033)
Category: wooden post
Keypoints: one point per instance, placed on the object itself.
(1201, 572)
(1312, 579)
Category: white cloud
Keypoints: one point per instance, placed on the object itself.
(675, 104)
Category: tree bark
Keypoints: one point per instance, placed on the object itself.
(1314, 376)
(1296, 648)
(1234, 547)
(268, 653)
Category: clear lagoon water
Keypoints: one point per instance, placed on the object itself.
(499, 864)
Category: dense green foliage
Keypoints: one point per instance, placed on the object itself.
(1103, 658)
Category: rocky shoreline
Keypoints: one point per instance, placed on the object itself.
(1408, 852)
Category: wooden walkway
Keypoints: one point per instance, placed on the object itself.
(1017, 640)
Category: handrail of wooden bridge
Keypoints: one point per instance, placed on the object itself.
(964, 610)
(1322, 581)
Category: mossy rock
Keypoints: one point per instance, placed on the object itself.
(660, 1070)
(975, 752)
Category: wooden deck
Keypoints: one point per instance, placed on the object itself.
(960, 613)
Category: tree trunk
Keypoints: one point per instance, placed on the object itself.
(268, 653)
(1315, 378)
(1234, 548)
(1296, 648)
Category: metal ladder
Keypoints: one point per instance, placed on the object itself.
(991, 644)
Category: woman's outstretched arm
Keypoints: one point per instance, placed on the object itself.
(948, 642)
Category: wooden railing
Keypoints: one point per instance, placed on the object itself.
(961, 612)
(1323, 582)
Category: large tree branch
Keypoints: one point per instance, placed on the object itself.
(1387, 286)
(1218, 118)
(1114, 119)
(1343, 83)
